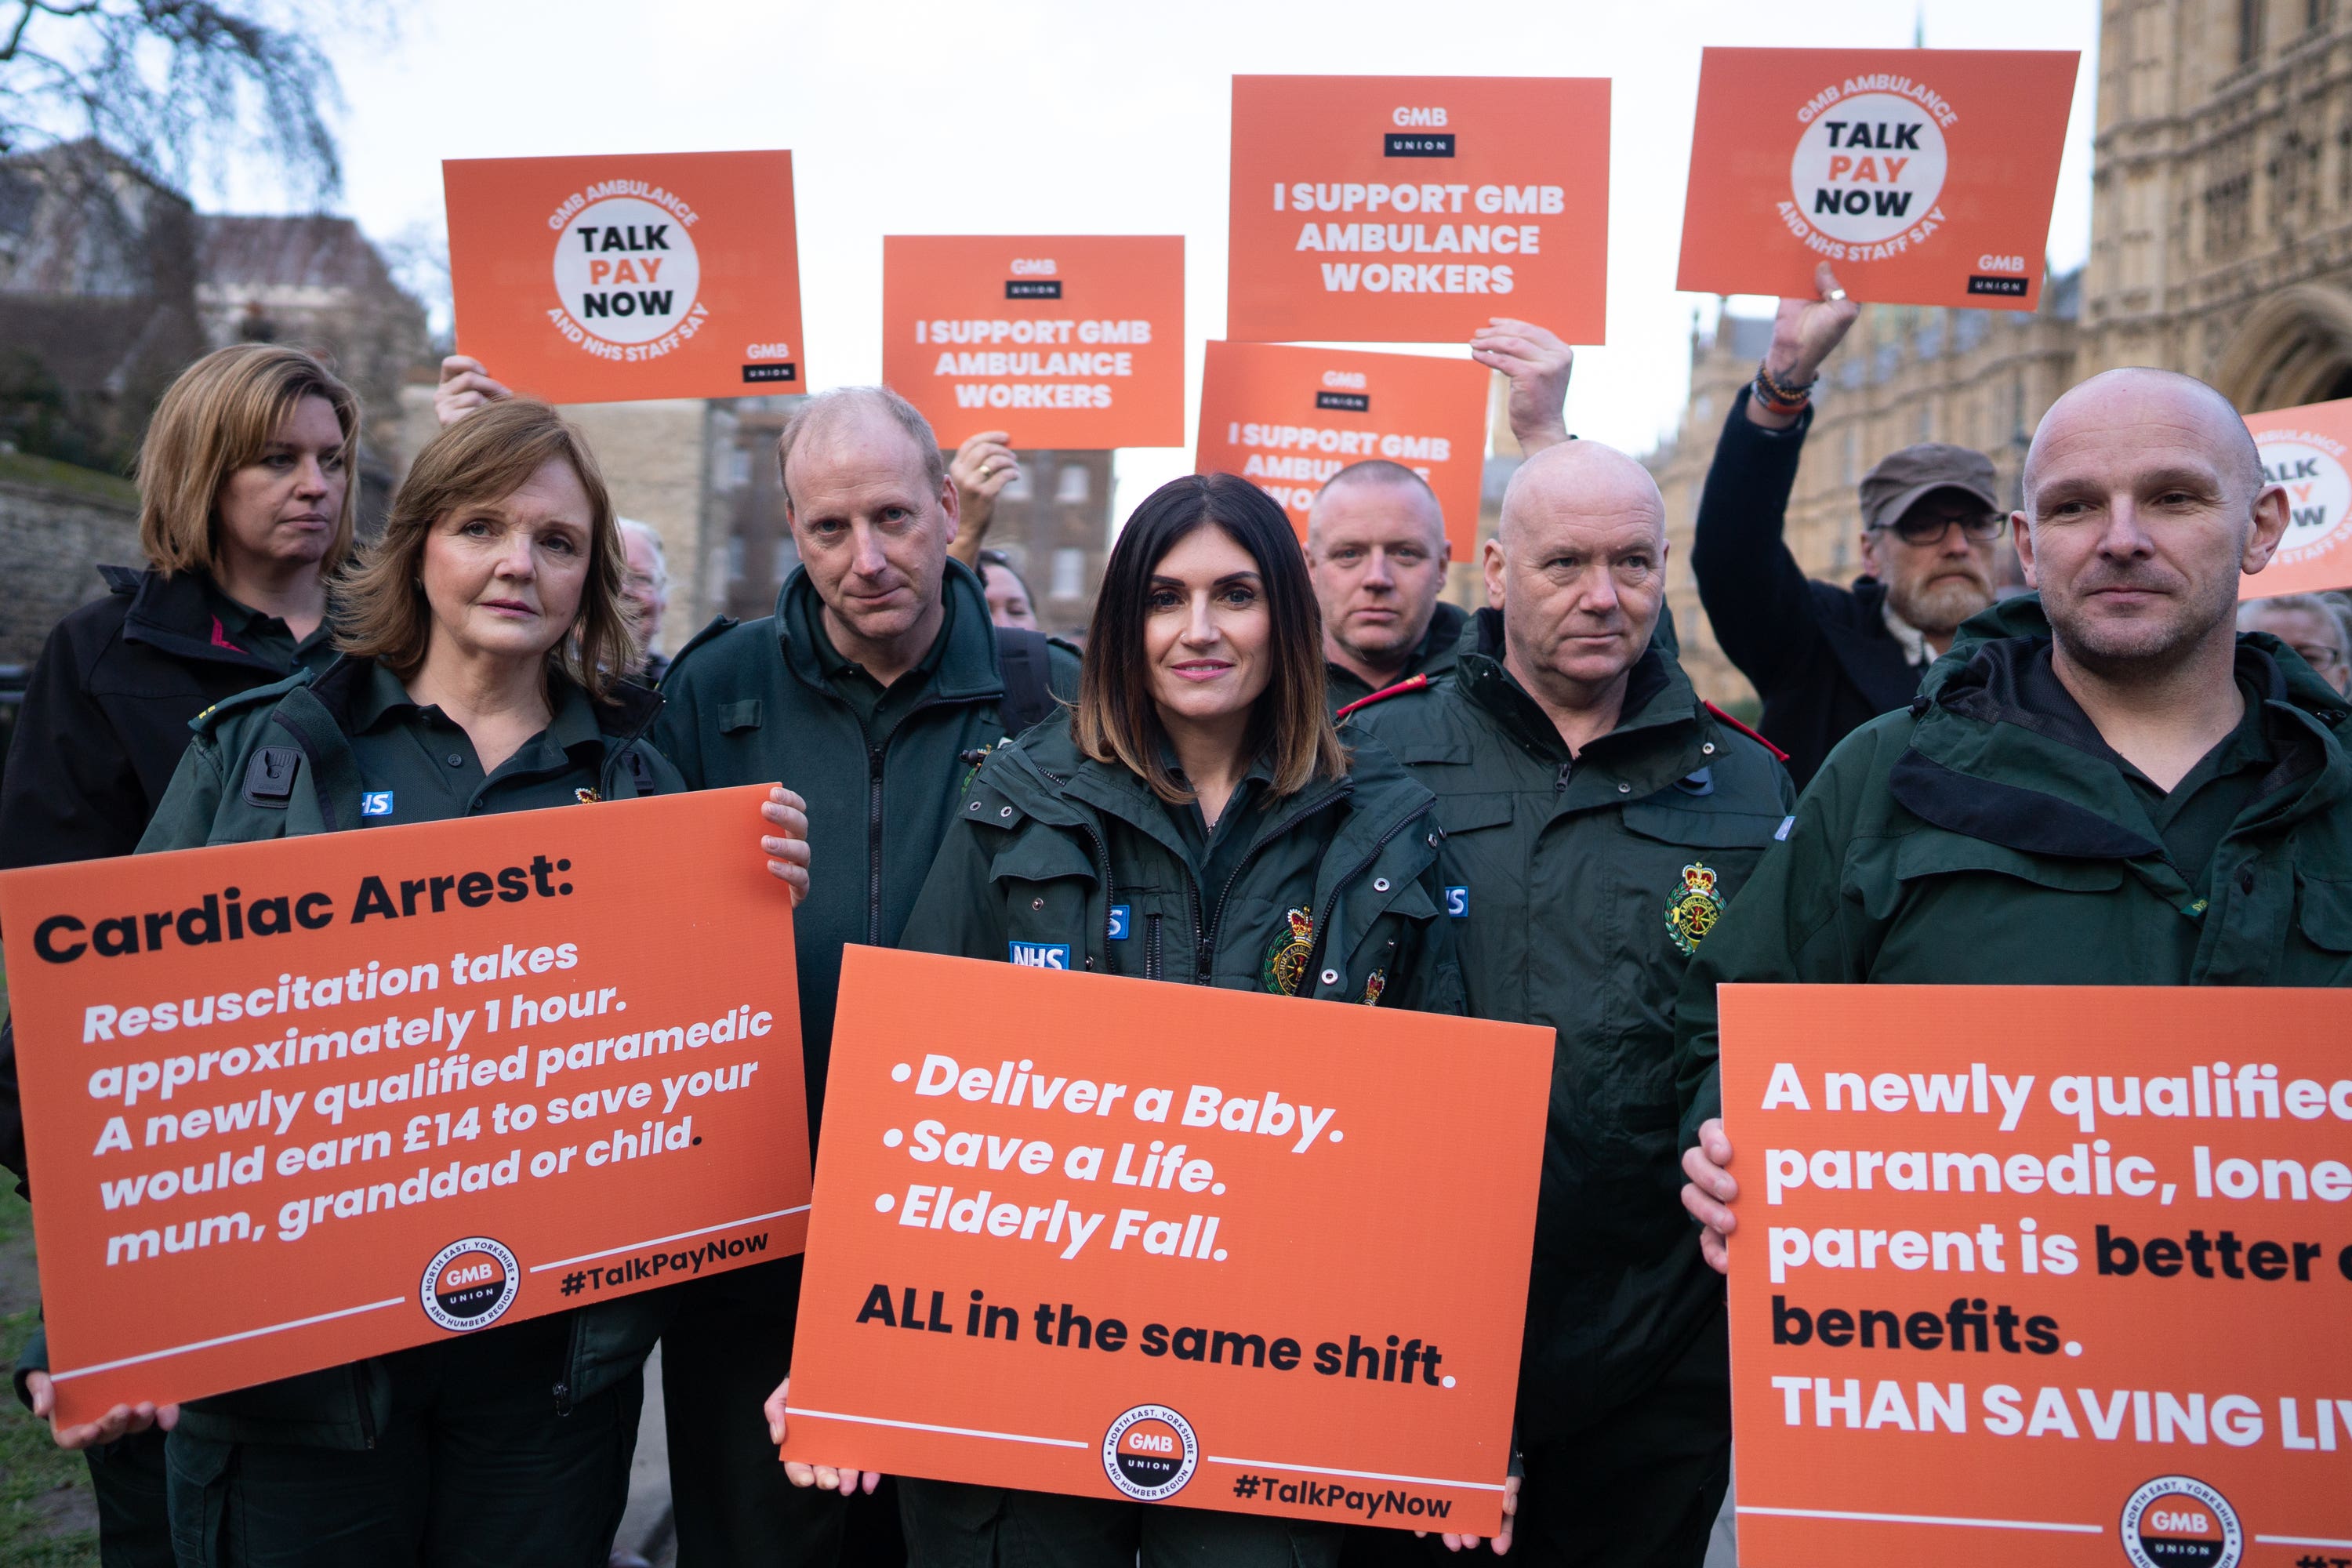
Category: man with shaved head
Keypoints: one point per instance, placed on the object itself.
(874, 680)
(1597, 815)
(1376, 551)
(2102, 783)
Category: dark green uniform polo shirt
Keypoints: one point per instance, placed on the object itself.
(878, 706)
(248, 630)
(419, 766)
(1216, 852)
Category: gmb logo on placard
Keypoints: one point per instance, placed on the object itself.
(2177, 1521)
(2318, 490)
(1149, 1452)
(1868, 167)
(469, 1284)
(626, 270)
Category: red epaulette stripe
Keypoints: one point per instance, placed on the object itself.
(1414, 683)
(1777, 755)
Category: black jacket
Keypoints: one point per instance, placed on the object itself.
(104, 726)
(1820, 655)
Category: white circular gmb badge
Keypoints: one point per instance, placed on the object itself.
(2310, 468)
(1868, 167)
(2177, 1521)
(626, 270)
(469, 1284)
(1149, 1452)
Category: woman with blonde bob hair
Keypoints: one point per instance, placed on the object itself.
(1194, 820)
(483, 639)
(245, 508)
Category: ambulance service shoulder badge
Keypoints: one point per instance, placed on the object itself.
(1692, 908)
(1286, 960)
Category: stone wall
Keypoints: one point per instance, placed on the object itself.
(58, 524)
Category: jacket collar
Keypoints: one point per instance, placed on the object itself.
(175, 616)
(967, 669)
(1657, 736)
(352, 693)
(1993, 758)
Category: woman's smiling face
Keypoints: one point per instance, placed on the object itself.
(1208, 631)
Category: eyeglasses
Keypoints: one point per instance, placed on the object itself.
(1912, 528)
(2320, 658)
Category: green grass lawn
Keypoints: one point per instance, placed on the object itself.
(44, 1490)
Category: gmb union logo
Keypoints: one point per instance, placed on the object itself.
(2176, 1522)
(1149, 1453)
(625, 266)
(469, 1284)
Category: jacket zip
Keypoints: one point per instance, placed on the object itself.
(1323, 919)
(1559, 784)
(872, 842)
(1204, 942)
(1151, 947)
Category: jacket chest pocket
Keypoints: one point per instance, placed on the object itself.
(1680, 867)
(1047, 889)
(1482, 864)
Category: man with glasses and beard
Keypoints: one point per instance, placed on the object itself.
(1825, 659)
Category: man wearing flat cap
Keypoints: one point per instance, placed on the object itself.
(1826, 659)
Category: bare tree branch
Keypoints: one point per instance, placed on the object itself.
(178, 85)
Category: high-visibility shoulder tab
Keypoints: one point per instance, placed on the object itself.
(1777, 755)
(1412, 683)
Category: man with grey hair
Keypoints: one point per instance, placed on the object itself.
(2102, 783)
(645, 583)
(1597, 815)
(867, 689)
(2316, 626)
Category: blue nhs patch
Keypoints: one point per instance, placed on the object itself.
(376, 803)
(1118, 923)
(1457, 902)
(1041, 955)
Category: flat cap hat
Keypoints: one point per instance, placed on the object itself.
(1898, 481)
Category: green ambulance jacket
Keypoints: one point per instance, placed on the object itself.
(1580, 889)
(1965, 840)
(1067, 863)
(209, 803)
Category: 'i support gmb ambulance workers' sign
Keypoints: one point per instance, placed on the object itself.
(1413, 209)
(606, 280)
(2305, 451)
(1925, 176)
(1287, 417)
(1069, 340)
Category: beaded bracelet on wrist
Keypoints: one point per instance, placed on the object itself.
(1781, 397)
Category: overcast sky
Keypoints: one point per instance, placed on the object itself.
(1067, 117)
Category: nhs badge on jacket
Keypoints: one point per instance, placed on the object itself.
(1118, 923)
(1041, 955)
(1457, 902)
(376, 803)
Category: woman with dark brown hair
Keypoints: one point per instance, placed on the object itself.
(484, 638)
(1227, 840)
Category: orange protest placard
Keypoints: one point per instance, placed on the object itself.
(2055, 1274)
(1122, 1238)
(1926, 176)
(2306, 449)
(293, 1103)
(1065, 340)
(1289, 418)
(647, 275)
(1413, 209)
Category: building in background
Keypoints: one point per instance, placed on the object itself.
(1054, 523)
(2220, 245)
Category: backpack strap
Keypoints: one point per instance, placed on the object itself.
(1027, 698)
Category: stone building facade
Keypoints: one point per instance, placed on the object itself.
(2220, 245)
(1054, 523)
